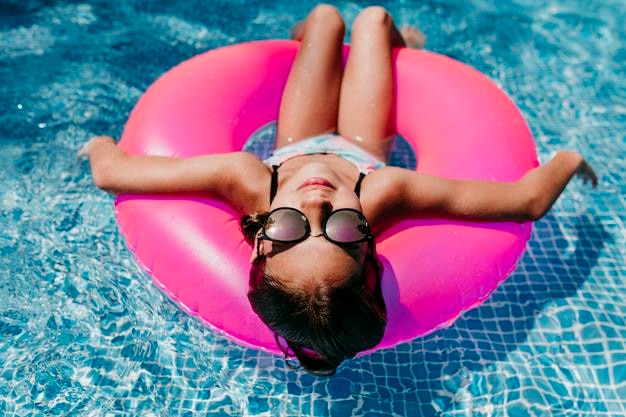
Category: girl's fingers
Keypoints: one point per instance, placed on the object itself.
(83, 152)
(587, 174)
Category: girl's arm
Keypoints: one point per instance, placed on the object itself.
(223, 174)
(530, 198)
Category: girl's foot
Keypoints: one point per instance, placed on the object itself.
(413, 37)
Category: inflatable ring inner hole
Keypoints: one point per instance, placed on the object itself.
(261, 143)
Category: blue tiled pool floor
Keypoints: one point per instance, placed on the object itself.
(84, 332)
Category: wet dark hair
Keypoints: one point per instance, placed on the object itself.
(322, 327)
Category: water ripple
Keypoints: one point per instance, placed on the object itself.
(83, 331)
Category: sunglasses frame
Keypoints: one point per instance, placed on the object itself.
(288, 354)
(369, 238)
(291, 358)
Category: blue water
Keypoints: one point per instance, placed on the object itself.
(84, 332)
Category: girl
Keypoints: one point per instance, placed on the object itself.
(312, 210)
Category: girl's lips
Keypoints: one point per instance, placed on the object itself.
(317, 181)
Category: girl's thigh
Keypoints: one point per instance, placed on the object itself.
(310, 101)
(366, 102)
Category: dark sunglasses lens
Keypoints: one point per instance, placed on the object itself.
(285, 225)
(346, 226)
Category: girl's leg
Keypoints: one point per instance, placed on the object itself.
(366, 101)
(311, 97)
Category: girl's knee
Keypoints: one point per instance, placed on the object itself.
(371, 18)
(327, 17)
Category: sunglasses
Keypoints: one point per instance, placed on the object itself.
(298, 357)
(289, 225)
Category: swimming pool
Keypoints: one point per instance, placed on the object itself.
(83, 331)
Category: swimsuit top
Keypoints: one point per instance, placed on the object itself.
(327, 143)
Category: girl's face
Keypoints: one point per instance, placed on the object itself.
(316, 190)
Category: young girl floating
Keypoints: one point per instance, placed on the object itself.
(312, 211)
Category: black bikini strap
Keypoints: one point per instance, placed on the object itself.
(357, 186)
(274, 185)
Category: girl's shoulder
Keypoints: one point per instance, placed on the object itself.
(385, 179)
(246, 157)
(245, 162)
(380, 194)
(250, 191)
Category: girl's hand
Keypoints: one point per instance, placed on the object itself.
(580, 167)
(104, 159)
(586, 173)
(87, 150)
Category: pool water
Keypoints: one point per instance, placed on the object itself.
(84, 332)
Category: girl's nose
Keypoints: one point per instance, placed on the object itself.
(316, 209)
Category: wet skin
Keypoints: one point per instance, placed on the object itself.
(316, 188)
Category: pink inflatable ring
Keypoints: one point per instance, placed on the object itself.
(459, 123)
